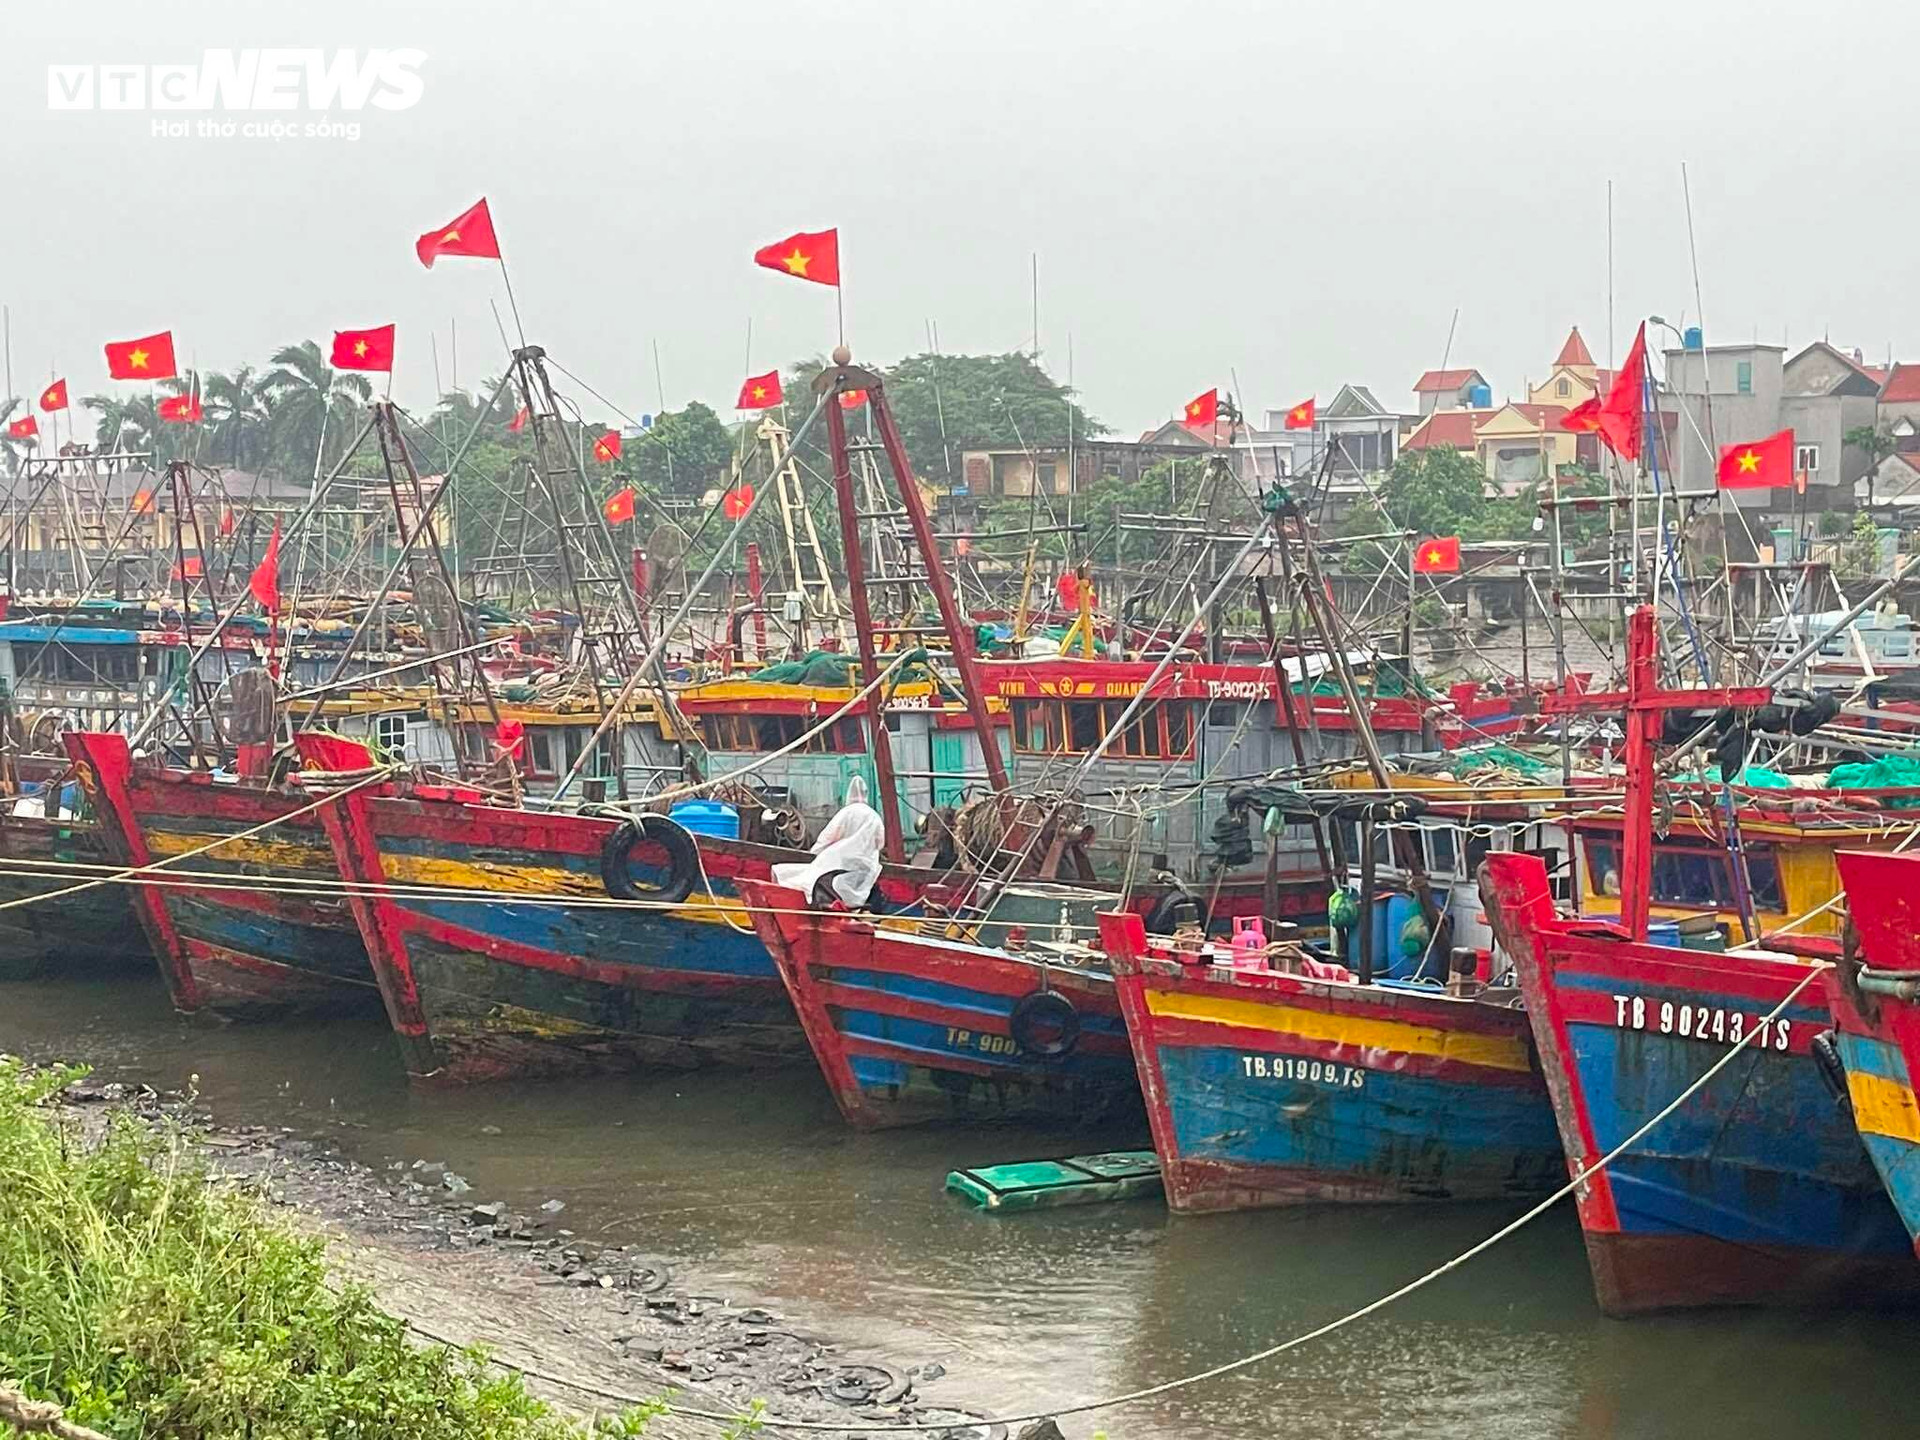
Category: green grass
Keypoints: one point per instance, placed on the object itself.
(149, 1302)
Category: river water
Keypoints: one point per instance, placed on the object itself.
(752, 1185)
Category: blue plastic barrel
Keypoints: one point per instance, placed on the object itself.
(1400, 909)
(707, 817)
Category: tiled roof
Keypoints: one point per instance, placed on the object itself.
(1444, 380)
(1447, 427)
(1575, 351)
(1902, 386)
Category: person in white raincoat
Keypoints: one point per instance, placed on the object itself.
(850, 844)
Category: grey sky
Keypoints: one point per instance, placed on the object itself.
(1300, 192)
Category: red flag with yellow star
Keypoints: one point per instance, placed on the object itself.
(1300, 417)
(1757, 464)
(737, 501)
(758, 392)
(1584, 418)
(810, 255)
(1437, 555)
(363, 349)
(469, 234)
(181, 409)
(852, 399)
(1202, 410)
(519, 421)
(607, 448)
(619, 507)
(54, 397)
(264, 583)
(1618, 419)
(148, 358)
(24, 428)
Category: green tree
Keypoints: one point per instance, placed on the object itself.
(306, 399)
(237, 418)
(1440, 491)
(685, 452)
(944, 404)
(1873, 443)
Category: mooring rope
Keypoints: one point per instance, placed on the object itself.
(1165, 1387)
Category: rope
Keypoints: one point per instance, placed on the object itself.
(38, 1417)
(373, 779)
(1183, 1382)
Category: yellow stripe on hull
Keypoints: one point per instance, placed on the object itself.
(1493, 1051)
(258, 850)
(540, 881)
(1884, 1107)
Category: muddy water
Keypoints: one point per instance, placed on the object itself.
(757, 1192)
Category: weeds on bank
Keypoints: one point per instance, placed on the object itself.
(148, 1302)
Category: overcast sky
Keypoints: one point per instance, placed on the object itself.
(1299, 193)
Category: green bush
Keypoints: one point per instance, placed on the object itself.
(150, 1301)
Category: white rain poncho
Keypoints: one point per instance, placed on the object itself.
(850, 844)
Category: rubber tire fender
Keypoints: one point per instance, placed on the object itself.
(1040, 1006)
(1833, 1070)
(683, 859)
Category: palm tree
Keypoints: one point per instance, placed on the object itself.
(308, 400)
(123, 425)
(237, 418)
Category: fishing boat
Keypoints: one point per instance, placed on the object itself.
(51, 921)
(1875, 996)
(1310, 1083)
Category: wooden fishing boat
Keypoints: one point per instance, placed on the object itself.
(1269, 1088)
(1756, 1191)
(43, 932)
(1876, 1014)
(912, 1024)
(231, 938)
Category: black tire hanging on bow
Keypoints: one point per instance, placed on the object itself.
(1833, 1070)
(1173, 907)
(683, 860)
(1044, 1009)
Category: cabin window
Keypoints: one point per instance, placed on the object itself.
(759, 734)
(1896, 647)
(540, 752)
(390, 733)
(1697, 875)
(1441, 854)
(1162, 730)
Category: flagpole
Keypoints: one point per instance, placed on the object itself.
(512, 304)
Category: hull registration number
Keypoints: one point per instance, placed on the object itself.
(1314, 1072)
(1700, 1022)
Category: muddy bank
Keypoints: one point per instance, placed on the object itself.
(593, 1327)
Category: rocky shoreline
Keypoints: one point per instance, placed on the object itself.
(592, 1327)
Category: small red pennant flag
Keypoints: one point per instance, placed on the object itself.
(24, 428)
(1437, 555)
(181, 409)
(607, 448)
(519, 421)
(265, 580)
(738, 501)
(54, 397)
(1300, 417)
(1757, 464)
(142, 500)
(1201, 411)
(226, 522)
(852, 399)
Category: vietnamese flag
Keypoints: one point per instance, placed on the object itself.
(1201, 410)
(758, 392)
(619, 507)
(470, 234)
(1758, 464)
(1618, 420)
(24, 428)
(181, 409)
(148, 358)
(1584, 418)
(852, 399)
(1437, 555)
(607, 448)
(54, 397)
(226, 523)
(511, 737)
(363, 349)
(737, 501)
(810, 255)
(142, 499)
(519, 421)
(1300, 417)
(265, 580)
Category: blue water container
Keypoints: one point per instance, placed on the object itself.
(1400, 909)
(1664, 932)
(707, 817)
